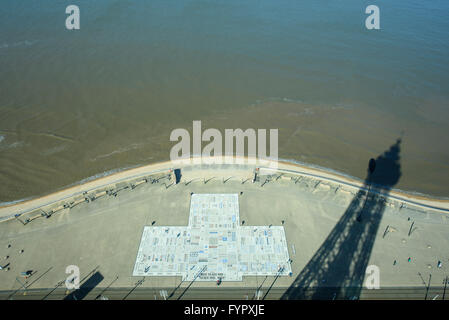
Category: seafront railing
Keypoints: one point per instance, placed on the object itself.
(372, 190)
(255, 173)
(87, 195)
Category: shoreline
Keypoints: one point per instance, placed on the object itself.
(117, 175)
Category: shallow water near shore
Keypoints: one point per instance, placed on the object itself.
(76, 104)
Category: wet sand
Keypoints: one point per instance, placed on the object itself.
(75, 146)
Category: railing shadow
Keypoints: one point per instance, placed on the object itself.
(337, 269)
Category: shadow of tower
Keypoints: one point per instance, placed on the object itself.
(337, 269)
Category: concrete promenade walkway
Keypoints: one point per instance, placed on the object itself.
(101, 234)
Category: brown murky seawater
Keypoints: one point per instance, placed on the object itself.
(74, 105)
(50, 150)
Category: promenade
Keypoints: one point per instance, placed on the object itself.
(98, 227)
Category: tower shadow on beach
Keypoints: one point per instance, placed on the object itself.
(337, 269)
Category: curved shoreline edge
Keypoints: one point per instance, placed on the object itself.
(19, 207)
